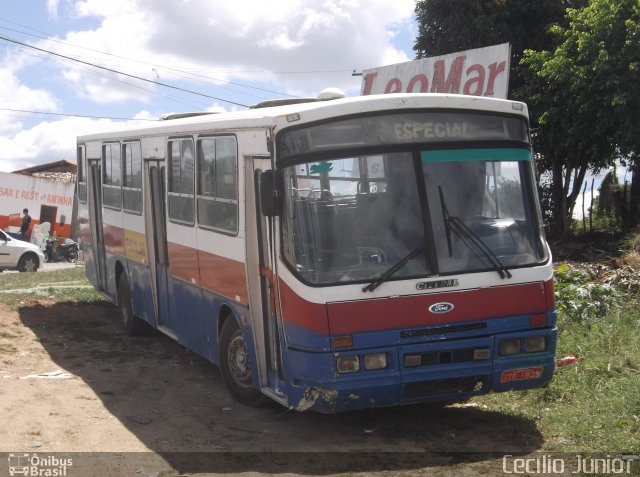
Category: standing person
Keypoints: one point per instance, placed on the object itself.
(26, 222)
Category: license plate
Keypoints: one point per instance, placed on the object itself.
(521, 374)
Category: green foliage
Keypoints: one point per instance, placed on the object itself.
(447, 26)
(581, 300)
(593, 406)
(631, 244)
(581, 96)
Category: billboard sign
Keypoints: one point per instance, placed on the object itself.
(479, 72)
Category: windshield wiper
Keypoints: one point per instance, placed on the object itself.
(452, 222)
(445, 218)
(393, 269)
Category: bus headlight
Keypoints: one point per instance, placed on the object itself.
(375, 361)
(348, 364)
(535, 344)
(510, 347)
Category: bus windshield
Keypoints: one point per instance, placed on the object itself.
(351, 218)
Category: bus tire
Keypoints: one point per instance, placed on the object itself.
(133, 326)
(235, 367)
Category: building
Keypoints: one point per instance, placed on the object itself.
(47, 190)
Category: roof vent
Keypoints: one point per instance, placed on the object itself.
(169, 116)
(331, 93)
(282, 102)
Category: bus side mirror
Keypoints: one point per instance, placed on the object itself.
(270, 193)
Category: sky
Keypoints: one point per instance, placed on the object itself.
(65, 59)
(97, 58)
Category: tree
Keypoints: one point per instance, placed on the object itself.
(448, 26)
(569, 137)
(591, 80)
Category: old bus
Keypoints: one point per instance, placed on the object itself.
(331, 254)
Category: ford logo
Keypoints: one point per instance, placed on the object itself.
(441, 307)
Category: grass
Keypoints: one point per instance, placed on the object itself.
(44, 285)
(593, 406)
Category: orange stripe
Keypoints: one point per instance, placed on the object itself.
(223, 275)
(218, 274)
(183, 263)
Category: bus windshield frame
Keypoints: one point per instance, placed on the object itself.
(350, 212)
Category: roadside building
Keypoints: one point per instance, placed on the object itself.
(46, 190)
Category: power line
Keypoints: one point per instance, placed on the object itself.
(75, 115)
(186, 72)
(121, 73)
(47, 38)
(102, 75)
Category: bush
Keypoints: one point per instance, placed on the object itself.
(581, 300)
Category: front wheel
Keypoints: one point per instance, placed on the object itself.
(72, 256)
(234, 365)
(28, 263)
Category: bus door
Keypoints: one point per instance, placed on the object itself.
(97, 228)
(261, 282)
(156, 232)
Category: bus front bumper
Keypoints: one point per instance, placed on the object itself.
(448, 371)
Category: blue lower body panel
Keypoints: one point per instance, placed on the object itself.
(445, 370)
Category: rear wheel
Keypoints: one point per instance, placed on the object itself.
(28, 263)
(235, 366)
(133, 326)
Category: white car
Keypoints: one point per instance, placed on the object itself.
(19, 255)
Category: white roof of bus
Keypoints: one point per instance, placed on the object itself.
(313, 111)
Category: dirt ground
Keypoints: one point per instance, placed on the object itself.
(146, 406)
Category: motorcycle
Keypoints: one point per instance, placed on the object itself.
(57, 252)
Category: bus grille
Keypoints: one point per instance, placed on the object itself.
(433, 358)
(443, 387)
(443, 330)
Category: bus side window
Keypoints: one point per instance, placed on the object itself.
(218, 183)
(112, 175)
(132, 190)
(82, 173)
(181, 181)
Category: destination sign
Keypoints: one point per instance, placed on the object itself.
(400, 128)
(408, 131)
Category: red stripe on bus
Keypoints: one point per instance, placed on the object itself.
(550, 292)
(218, 274)
(410, 311)
(297, 310)
(114, 239)
(223, 275)
(183, 262)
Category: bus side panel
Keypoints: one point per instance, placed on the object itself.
(195, 315)
(223, 275)
(138, 267)
(187, 314)
(141, 292)
(185, 297)
(212, 304)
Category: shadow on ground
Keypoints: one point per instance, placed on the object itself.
(174, 402)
